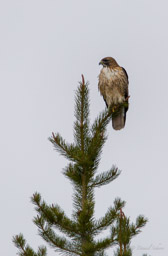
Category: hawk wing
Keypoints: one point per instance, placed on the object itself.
(126, 89)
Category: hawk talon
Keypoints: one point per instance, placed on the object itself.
(113, 109)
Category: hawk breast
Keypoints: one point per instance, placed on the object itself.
(113, 84)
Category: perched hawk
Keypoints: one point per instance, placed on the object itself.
(113, 86)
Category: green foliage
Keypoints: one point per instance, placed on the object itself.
(26, 250)
(80, 231)
(126, 231)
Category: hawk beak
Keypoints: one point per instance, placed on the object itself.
(101, 62)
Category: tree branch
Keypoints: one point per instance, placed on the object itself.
(54, 216)
(54, 240)
(105, 177)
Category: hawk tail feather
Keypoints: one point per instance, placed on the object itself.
(118, 122)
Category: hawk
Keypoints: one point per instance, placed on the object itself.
(113, 86)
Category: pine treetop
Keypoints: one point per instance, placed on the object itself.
(80, 231)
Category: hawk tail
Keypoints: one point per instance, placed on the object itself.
(118, 122)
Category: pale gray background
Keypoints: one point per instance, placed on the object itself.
(45, 46)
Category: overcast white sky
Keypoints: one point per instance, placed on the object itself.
(45, 46)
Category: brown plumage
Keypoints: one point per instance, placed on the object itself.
(113, 86)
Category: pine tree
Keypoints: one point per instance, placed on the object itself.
(81, 230)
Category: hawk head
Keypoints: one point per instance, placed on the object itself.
(109, 62)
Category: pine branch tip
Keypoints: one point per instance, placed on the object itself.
(83, 79)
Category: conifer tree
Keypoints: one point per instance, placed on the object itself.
(81, 230)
